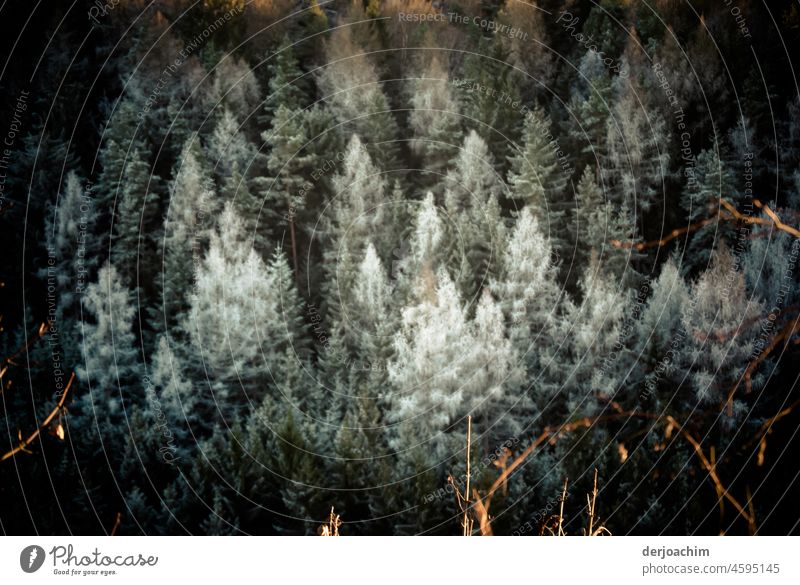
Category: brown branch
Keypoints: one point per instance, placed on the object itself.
(10, 360)
(712, 473)
(760, 220)
(639, 246)
(483, 515)
(730, 213)
(552, 434)
(117, 522)
(57, 410)
(746, 376)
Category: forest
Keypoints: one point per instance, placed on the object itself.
(399, 267)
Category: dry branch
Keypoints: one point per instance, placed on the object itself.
(23, 444)
(729, 213)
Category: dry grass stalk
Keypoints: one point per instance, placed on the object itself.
(561, 508)
(332, 527)
(463, 498)
(592, 512)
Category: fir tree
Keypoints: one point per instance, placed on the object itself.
(537, 179)
(109, 363)
(709, 181)
(435, 121)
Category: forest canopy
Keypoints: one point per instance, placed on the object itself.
(443, 267)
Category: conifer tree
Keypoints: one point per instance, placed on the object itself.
(109, 363)
(589, 109)
(286, 85)
(537, 180)
(187, 226)
(472, 189)
(435, 121)
(138, 222)
(493, 114)
(352, 88)
(709, 181)
(229, 148)
(718, 346)
(244, 316)
(530, 298)
(637, 158)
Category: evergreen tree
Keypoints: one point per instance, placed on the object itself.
(244, 316)
(718, 344)
(352, 89)
(229, 149)
(709, 181)
(187, 226)
(637, 159)
(138, 222)
(286, 85)
(537, 179)
(494, 114)
(435, 121)
(109, 364)
(589, 109)
(471, 195)
(72, 257)
(357, 213)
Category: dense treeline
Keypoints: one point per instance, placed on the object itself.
(288, 247)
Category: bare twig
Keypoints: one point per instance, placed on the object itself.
(23, 444)
(561, 508)
(746, 376)
(467, 522)
(729, 213)
(117, 522)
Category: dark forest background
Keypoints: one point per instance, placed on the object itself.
(286, 248)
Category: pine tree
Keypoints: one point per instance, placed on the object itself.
(447, 366)
(660, 337)
(138, 222)
(174, 396)
(286, 85)
(718, 346)
(187, 226)
(590, 107)
(372, 316)
(638, 161)
(537, 179)
(229, 148)
(72, 257)
(120, 138)
(471, 195)
(435, 121)
(357, 213)
(605, 232)
(352, 89)
(234, 87)
(531, 301)
(709, 181)
(109, 364)
(596, 344)
(495, 114)
(244, 316)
